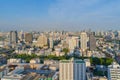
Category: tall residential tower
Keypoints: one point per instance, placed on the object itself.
(92, 42)
(72, 70)
(83, 41)
(13, 37)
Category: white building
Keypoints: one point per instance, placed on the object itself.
(49, 62)
(119, 34)
(3, 71)
(55, 76)
(114, 72)
(15, 74)
(72, 70)
(1, 43)
(13, 60)
(13, 77)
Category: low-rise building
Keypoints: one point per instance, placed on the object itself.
(35, 61)
(13, 60)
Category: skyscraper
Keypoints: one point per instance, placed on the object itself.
(51, 43)
(13, 37)
(72, 70)
(21, 35)
(119, 44)
(92, 42)
(83, 41)
(28, 37)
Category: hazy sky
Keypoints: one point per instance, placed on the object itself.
(59, 14)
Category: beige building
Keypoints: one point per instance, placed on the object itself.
(83, 41)
(103, 78)
(42, 41)
(98, 78)
(89, 54)
(35, 61)
(73, 42)
(87, 62)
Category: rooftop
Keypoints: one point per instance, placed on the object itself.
(72, 60)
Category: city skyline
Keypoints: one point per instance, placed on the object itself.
(59, 15)
(60, 55)
(59, 40)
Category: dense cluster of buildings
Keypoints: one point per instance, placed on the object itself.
(81, 44)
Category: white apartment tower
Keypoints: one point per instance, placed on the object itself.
(114, 72)
(72, 70)
(83, 41)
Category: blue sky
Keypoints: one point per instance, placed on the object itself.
(73, 15)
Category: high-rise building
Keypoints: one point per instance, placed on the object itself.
(28, 37)
(73, 42)
(72, 70)
(83, 41)
(114, 72)
(21, 35)
(51, 43)
(118, 34)
(92, 42)
(119, 44)
(13, 37)
(42, 41)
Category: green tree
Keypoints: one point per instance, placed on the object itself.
(66, 50)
